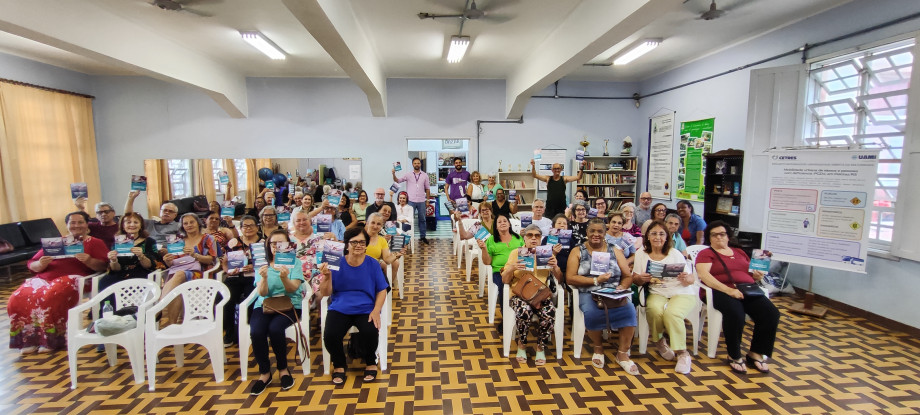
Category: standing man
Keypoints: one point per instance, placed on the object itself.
(418, 189)
(104, 226)
(555, 187)
(457, 181)
(644, 211)
(158, 230)
(539, 206)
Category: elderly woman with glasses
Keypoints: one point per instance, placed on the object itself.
(722, 267)
(268, 221)
(658, 212)
(358, 290)
(579, 222)
(629, 224)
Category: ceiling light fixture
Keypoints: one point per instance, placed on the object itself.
(263, 44)
(638, 50)
(458, 46)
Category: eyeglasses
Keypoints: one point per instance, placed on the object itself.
(248, 225)
(661, 210)
(269, 215)
(533, 235)
(357, 243)
(645, 198)
(658, 234)
(169, 211)
(378, 194)
(102, 212)
(718, 234)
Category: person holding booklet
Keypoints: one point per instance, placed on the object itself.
(158, 230)
(579, 222)
(268, 221)
(616, 236)
(581, 273)
(515, 269)
(198, 249)
(220, 234)
(134, 254)
(268, 326)
(457, 181)
(475, 190)
(725, 269)
(501, 205)
(345, 213)
(672, 293)
(581, 196)
(104, 225)
(497, 248)
(377, 246)
(419, 191)
(379, 194)
(358, 290)
(560, 224)
(226, 221)
(555, 186)
(404, 211)
(309, 243)
(360, 207)
(239, 268)
(53, 290)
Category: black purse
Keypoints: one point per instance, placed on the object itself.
(749, 290)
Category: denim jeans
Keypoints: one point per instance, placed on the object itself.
(420, 211)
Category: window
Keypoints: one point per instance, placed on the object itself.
(860, 99)
(180, 177)
(241, 177)
(217, 166)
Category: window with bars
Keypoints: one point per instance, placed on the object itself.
(180, 177)
(241, 176)
(860, 99)
(217, 166)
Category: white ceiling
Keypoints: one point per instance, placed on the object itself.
(379, 39)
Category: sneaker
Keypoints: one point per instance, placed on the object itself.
(229, 341)
(683, 364)
(287, 382)
(663, 350)
(100, 348)
(258, 387)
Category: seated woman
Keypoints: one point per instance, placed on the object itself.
(221, 234)
(337, 229)
(629, 225)
(257, 209)
(579, 225)
(691, 224)
(268, 221)
(671, 298)
(621, 318)
(239, 281)
(498, 247)
(360, 207)
(214, 207)
(616, 236)
(501, 205)
(720, 268)
(199, 246)
(38, 308)
(377, 246)
(523, 310)
(358, 290)
(673, 222)
(308, 244)
(580, 196)
(405, 213)
(562, 254)
(659, 212)
(142, 260)
(274, 280)
(306, 205)
(601, 205)
(345, 213)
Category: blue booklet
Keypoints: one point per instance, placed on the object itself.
(139, 183)
(284, 213)
(323, 223)
(390, 227)
(394, 187)
(600, 263)
(78, 190)
(285, 253)
(397, 167)
(334, 197)
(123, 245)
(526, 256)
(580, 155)
(258, 255)
(53, 247)
(490, 197)
(174, 244)
(270, 185)
(526, 219)
(353, 196)
(480, 232)
(552, 239)
(398, 242)
(237, 259)
(463, 206)
(760, 261)
(512, 196)
(543, 254)
(223, 177)
(537, 155)
(564, 237)
(333, 252)
(592, 213)
(228, 209)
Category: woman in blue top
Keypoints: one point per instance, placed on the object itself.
(691, 224)
(358, 290)
(272, 281)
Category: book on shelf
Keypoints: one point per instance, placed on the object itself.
(735, 209)
(724, 205)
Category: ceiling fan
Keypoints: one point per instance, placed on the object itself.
(713, 12)
(178, 6)
(470, 13)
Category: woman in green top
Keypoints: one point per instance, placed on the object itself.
(498, 247)
(360, 207)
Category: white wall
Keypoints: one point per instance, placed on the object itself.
(36, 73)
(889, 286)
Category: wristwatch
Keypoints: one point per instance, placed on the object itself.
(595, 281)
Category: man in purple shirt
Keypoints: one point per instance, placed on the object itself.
(457, 181)
(418, 189)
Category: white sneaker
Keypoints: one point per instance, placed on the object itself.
(683, 364)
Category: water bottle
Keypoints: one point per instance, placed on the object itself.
(107, 310)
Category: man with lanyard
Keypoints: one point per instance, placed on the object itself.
(555, 187)
(418, 189)
(644, 210)
(457, 181)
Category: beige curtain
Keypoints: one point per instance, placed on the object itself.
(252, 178)
(159, 187)
(47, 142)
(230, 167)
(204, 179)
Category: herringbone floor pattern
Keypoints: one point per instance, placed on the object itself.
(446, 358)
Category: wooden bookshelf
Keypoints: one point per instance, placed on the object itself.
(611, 177)
(523, 183)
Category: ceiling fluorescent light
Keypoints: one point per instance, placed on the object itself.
(260, 42)
(458, 45)
(641, 49)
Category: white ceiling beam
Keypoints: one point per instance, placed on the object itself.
(93, 32)
(593, 27)
(333, 24)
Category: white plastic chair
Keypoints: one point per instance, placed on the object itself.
(468, 247)
(400, 276)
(382, 341)
(508, 320)
(693, 317)
(516, 225)
(485, 271)
(200, 325)
(455, 239)
(131, 292)
(245, 340)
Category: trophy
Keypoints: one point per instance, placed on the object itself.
(606, 153)
(499, 165)
(584, 144)
(627, 146)
(520, 168)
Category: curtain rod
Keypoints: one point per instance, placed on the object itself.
(44, 88)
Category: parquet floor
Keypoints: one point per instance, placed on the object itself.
(446, 358)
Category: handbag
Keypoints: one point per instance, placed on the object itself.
(747, 289)
(185, 263)
(281, 304)
(532, 290)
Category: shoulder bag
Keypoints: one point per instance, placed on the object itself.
(281, 304)
(532, 290)
(747, 289)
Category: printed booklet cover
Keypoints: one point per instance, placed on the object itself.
(526, 256)
(600, 263)
(62, 247)
(564, 237)
(237, 259)
(543, 254)
(323, 223)
(174, 244)
(123, 245)
(285, 253)
(334, 197)
(139, 183)
(760, 261)
(78, 190)
(333, 252)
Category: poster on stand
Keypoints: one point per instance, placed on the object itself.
(695, 143)
(819, 207)
(660, 156)
(548, 157)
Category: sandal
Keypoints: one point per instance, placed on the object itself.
(338, 376)
(522, 356)
(760, 365)
(628, 365)
(540, 358)
(370, 373)
(597, 360)
(737, 366)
